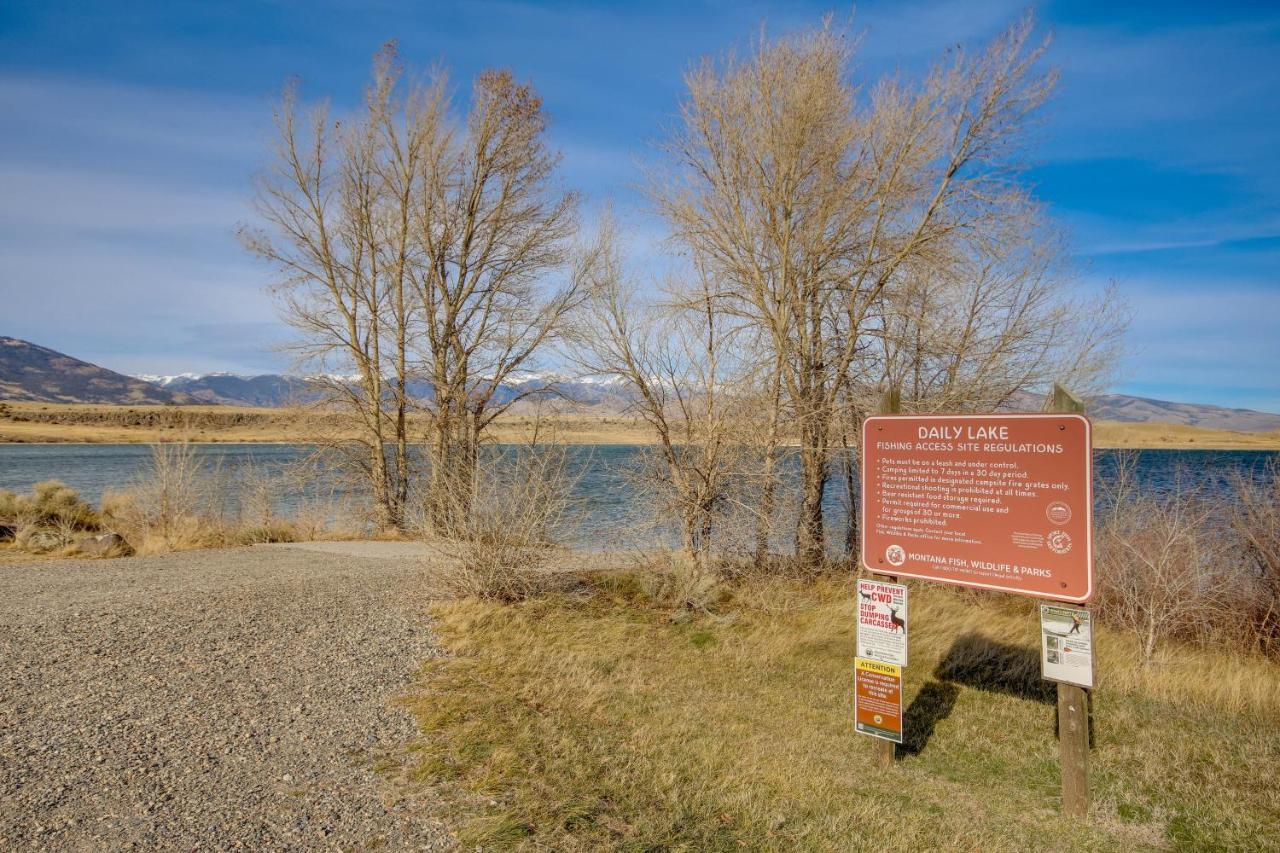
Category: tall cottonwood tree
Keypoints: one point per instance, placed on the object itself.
(336, 203)
(806, 202)
(490, 226)
(416, 244)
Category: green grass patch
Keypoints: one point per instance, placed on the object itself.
(575, 723)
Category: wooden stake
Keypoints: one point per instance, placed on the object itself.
(1073, 701)
(890, 404)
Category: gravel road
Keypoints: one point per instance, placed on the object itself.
(233, 699)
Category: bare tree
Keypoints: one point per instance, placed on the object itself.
(412, 243)
(676, 359)
(489, 226)
(337, 203)
(806, 203)
(989, 318)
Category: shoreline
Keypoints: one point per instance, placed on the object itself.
(47, 424)
(1265, 444)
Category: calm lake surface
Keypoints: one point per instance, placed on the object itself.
(605, 492)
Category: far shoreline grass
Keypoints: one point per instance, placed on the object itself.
(71, 423)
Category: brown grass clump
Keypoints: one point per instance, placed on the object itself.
(587, 723)
(184, 502)
(50, 518)
(51, 503)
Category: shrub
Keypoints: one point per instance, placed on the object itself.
(1255, 525)
(510, 522)
(50, 504)
(166, 510)
(1192, 565)
(681, 582)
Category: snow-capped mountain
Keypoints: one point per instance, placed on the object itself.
(273, 390)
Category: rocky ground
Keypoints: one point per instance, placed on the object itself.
(233, 699)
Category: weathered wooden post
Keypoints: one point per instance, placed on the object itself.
(1073, 701)
(890, 404)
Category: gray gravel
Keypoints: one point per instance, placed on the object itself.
(229, 699)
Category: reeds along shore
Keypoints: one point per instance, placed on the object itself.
(1185, 565)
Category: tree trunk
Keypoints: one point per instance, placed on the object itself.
(810, 536)
(768, 498)
(381, 492)
(851, 495)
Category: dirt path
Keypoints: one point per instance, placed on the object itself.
(211, 700)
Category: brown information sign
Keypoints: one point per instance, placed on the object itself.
(1001, 502)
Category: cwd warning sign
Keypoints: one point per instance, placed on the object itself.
(877, 699)
(1001, 502)
(882, 622)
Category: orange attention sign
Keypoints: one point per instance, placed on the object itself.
(877, 699)
(1001, 502)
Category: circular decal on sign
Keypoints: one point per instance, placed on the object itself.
(1059, 542)
(1058, 512)
(879, 719)
(895, 555)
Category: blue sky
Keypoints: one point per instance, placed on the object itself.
(130, 132)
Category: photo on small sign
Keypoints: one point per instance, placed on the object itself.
(1066, 644)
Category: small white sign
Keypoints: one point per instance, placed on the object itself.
(882, 622)
(1066, 644)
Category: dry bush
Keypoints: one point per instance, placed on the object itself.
(507, 523)
(255, 492)
(169, 509)
(1164, 565)
(682, 583)
(47, 519)
(1255, 527)
(51, 503)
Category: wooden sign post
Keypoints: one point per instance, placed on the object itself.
(1073, 701)
(890, 404)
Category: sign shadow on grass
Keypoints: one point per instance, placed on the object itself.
(972, 661)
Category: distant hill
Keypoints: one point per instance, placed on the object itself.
(1120, 407)
(29, 372)
(32, 373)
(607, 397)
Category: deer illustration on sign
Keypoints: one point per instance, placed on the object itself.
(899, 624)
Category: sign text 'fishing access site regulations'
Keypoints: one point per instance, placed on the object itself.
(1001, 502)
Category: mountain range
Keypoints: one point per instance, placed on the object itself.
(29, 372)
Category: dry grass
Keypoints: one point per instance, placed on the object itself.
(36, 423)
(183, 502)
(596, 722)
(1114, 434)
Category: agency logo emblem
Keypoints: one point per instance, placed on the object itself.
(895, 555)
(1058, 512)
(1059, 542)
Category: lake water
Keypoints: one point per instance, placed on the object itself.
(605, 492)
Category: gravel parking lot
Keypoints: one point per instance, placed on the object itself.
(241, 698)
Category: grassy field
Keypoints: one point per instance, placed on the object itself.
(592, 720)
(91, 424)
(54, 423)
